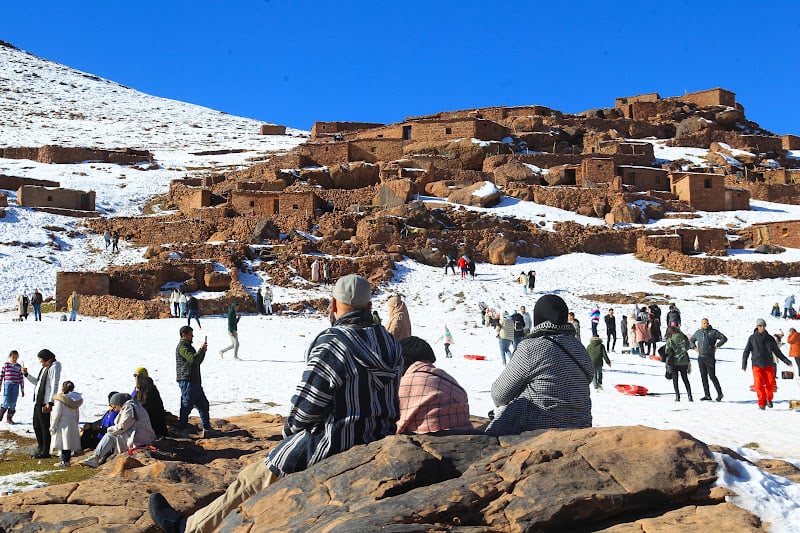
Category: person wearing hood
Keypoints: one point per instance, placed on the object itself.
(233, 333)
(598, 353)
(398, 323)
(641, 335)
(763, 346)
(65, 431)
(431, 400)
(705, 342)
(546, 383)
(146, 393)
(132, 428)
(348, 395)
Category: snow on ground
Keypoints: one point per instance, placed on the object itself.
(45, 103)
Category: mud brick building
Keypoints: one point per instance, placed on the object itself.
(97, 283)
(595, 170)
(429, 130)
(710, 97)
(644, 178)
(786, 233)
(267, 203)
(45, 197)
(330, 129)
(272, 129)
(782, 176)
(790, 142)
(707, 192)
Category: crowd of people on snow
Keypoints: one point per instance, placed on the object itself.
(366, 378)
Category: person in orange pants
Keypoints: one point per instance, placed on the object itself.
(763, 346)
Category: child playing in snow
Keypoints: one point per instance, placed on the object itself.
(447, 338)
(64, 428)
(13, 385)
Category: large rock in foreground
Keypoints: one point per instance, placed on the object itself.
(618, 479)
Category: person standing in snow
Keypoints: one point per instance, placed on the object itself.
(190, 381)
(107, 238)
(523, 280)
(182, 302)
(315, 271)
(115, 241)
(36, 303)
(673, 316)
(705, 341)
(46, 386)
(531, 280)
(641, 336)
(611, 330)
(788, 306)
(399, 322)
(575, 324)
(326, 273)
(267, 299)
(677, 352)
(623, 329)
(654, 327)
(450, 263)
(462, 265)
(794, 348)
(505, 335)
(22, 306)
(233, 333)
(13, 384)
(260, 303)
(73, 306)
(763, 346)
(64, 428)
(446, 338)
(594, 317)
(526, 317)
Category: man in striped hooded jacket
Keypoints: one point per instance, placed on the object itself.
(348, 395)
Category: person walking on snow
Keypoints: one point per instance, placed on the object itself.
(594, 317)
(611, 331)
(794, 348)
(315, 271)
(233, 332)
(598, 354)
(267, 300)
(447, 339)
(763, 346)
(523, 280)
(36, 303)
(107, 238)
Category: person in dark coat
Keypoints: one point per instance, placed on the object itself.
(673, 316)
(598, 354)
(705, 341)
(763, 346)
(193, 310)
(46, 386)
(623, 329)
(611, 331)
(677, 352)
(187, 370)
(260, 303)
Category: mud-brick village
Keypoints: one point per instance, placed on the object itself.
(125, 218)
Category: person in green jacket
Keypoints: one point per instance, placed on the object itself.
(598, 354)
(233, 324)
(677, 351)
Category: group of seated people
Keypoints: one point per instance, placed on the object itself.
(132, 421)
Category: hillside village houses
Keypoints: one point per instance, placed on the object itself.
(354, 185)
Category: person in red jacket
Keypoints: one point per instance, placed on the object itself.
(763, 346)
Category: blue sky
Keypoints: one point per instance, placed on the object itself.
(294, 62)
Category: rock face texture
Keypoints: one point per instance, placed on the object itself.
(593, 479)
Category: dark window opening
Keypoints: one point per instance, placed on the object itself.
(252, 203)
(49, 198)
(707, 183)
(448, 131)
(295, 206)
(406, 133)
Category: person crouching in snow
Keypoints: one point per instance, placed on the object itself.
(132, 428)
(64, 428)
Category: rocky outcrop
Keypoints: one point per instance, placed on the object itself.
(557, 480)
(481, 194)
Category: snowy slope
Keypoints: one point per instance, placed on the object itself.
(45, 103)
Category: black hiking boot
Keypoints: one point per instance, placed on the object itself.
(165, 517)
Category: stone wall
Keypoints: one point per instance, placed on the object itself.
(83, 283)
(374, 150)
(779, 193)
(12, 183)
(705, 192)
(786, 234)
(646, 97)
(325, 153)
(644, 178)
(64, 155)
(595, 170)
(790, 142)
(456, 128)
(782, 176)
(35, 196)
(327, 129)
(264, 203)
(714, 266)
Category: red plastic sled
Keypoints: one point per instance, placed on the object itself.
(474, 357)
(632, 390)
(655, 357)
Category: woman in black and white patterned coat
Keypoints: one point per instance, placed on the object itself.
(546, 383)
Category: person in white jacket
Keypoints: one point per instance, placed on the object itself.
(131, 428)
(64, 427)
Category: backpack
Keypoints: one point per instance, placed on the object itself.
(25, 301)
(519, 322)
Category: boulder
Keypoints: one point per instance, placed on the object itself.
(693, 125)
(354, 175)
(440, 189)
(319, 175)
(622, 213)
(502, 252)
(594, 479)
(481, 194)
(265, 230)
(467, 154)
(217, 281)
(393, 193)
(515, 171)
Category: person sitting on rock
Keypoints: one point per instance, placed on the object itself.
(546, 383)
(131, 428)
(146, 393)
(347, 396)
(431, 400)
(92, 432)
